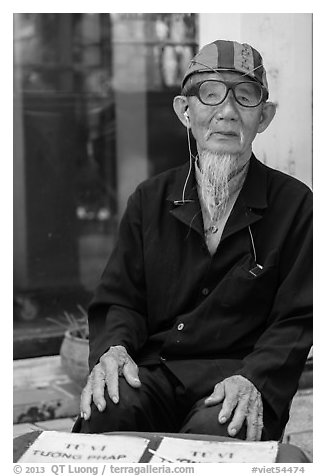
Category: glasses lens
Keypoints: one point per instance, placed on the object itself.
(248, 94)
(212, 92)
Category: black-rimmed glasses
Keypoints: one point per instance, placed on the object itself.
(212, 92)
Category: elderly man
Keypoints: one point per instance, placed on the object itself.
(202, 320)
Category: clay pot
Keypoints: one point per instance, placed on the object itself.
(74, 353)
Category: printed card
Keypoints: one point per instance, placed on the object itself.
(61, 447)
(177, 450)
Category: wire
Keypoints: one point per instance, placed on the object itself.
(226, 69)
(183, 200)
(190, 166)
(253, 244)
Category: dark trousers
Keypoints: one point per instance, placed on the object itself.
(164, 403)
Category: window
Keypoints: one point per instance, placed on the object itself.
(92, 111)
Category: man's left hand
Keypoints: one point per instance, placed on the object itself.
(238, 394)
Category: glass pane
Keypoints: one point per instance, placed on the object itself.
(92, 109)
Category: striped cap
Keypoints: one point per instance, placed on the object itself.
(224, 55)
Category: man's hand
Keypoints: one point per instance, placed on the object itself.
(115, 362)
(240, 395)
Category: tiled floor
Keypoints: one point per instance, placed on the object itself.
(42, 391)
(61, 424)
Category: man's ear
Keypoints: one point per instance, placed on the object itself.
(180, 106)
(267, 114)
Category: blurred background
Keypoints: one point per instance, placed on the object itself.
(93, 117)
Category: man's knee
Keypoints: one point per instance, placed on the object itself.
(114, 418)
(203, 420)
(123, 416)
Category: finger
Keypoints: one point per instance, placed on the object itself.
(260, 424)
(130, 373)
(86, 400)
(238, 417)
(112, 378)
(252, 425)
(217, 395)
(255, 419)
(229, 404)
(98, 384)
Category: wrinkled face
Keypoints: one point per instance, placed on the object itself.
(227, 128)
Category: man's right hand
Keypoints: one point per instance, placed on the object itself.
(115, 362)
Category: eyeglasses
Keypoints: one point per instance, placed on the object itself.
(212, 92)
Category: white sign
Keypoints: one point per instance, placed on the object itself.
(61, 447)
(177, 450)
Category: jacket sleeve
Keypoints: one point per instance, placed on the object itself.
(279, 356)
(118, 313)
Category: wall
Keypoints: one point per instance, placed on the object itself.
(285, 42)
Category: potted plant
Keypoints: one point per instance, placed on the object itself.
(74, 349)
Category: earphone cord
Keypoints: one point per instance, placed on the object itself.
(190, 166)
(253, 244)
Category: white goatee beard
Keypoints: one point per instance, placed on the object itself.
(216, 170)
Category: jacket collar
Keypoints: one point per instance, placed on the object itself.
(248, 208)
(254, 190)
(189, 211)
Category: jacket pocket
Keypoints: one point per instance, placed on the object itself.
(250, 289)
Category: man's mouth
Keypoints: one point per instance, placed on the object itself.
(227, 133)
(224, 134)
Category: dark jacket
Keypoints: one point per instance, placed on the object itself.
(163, 295)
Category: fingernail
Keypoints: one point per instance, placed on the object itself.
(115, 399)
(99, 407)
(81, 414)
(233, 431)
(223, 419)
(85, 416)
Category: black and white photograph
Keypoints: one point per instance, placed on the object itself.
(162, 239)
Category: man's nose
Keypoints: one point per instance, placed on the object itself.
(228, 108)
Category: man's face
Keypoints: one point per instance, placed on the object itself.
(227, 128)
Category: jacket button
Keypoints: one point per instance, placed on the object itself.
(205, 291)
(180, 326)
